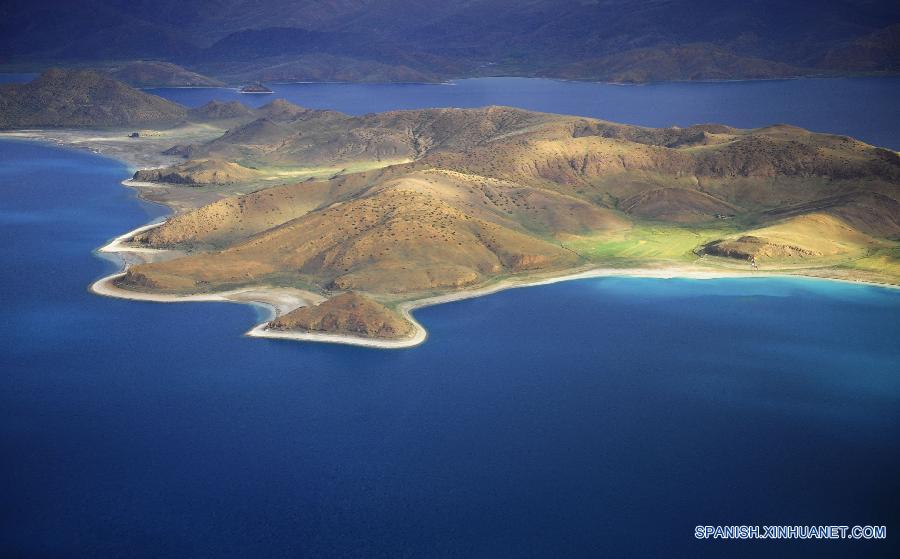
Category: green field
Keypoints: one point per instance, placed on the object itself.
(884, 260)
(644, 243)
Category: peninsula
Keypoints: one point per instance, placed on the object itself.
(344, 224)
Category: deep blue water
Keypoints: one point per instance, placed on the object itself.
(865, 108)
(16, 78)
(593, 418)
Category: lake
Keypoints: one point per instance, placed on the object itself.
(593, 418)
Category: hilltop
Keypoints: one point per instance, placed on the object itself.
(82, 98)
(348, 313)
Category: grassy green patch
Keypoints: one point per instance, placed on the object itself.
(646, 242)
(884, 260)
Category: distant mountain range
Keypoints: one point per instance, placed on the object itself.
(427, 40)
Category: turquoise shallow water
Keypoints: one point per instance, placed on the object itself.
(602, 417)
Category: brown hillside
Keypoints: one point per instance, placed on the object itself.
(347, 313)
(393, 241)
(678, 205)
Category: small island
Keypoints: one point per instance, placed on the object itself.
(255, 88)
(343, 225)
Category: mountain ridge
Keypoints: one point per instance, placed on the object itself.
(401, 40)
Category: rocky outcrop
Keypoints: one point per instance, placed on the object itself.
(753, 249)
(197, 173)
(166, 175)
(347, 313)
(255, 88)
(182, 150)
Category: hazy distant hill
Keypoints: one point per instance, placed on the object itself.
(154, 73)
(406, 40)
(72, 98)
(687, 62)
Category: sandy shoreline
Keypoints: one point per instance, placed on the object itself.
(670, 272)
(277, 300)
(112, 143)
(118, 245)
